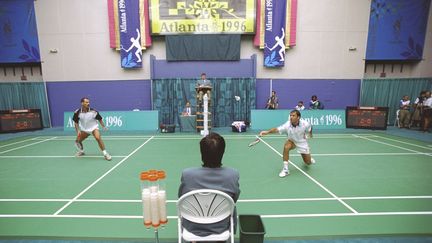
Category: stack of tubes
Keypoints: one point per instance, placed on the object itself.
(153, 195)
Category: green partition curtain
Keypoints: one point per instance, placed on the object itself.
(29, 95)
(170, 96)
(388, 92)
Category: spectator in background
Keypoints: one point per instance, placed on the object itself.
(315, 104)
(299, 106)
(404, 112)
(210, 176)
(272, 102)
(416, 118)
(427, 111)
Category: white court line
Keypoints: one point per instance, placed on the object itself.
(412, 144)
(239, 201)
(356, 154)
(9, 144)
(311, 178)
(101, 177)
(104, 138)
(323, 136)
(56, 156)
(122, 156)
(2, 152)
(313, 215)
(392, 145)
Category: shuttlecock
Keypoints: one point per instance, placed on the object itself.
(237, 98)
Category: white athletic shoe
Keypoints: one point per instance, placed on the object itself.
(284, 173)
(107, 157)
(79, 153)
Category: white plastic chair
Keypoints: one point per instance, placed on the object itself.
(205, 206)
(396, 123)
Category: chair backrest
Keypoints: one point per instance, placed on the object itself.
(205, 206)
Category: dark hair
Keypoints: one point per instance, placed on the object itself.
(297, 112)
(84, 98)
(203, 74)
(314, 96)
(212, 149)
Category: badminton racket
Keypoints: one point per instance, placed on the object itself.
(253, 143)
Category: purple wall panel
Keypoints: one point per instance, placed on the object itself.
(262, 92)
(104, 96)
(128, 95)
(334, 93)
(244, 68)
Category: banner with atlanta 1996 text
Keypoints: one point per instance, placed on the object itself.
(274, 33)
(130, 34)
(173, 17)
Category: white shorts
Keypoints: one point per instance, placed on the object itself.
(301, 147)
(89, 132)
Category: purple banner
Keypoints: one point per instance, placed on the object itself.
(130, 36)
(274, 33)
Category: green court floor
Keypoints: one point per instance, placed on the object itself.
(363, 184)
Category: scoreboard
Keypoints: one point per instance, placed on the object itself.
(20, 120)
(366, 117)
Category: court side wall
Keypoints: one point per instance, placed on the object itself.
(320, 63)
(122, 95)
(334, 93)
(78, 30)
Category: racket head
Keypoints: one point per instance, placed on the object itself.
(254, 142)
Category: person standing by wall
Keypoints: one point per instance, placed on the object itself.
(427, 111)
(416, 117)
(315, 104)
(272, 102)
(404, 112)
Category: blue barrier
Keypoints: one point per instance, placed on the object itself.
(320, 119)
(122, 120)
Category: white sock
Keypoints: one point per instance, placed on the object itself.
(285, 166)
(104, 152)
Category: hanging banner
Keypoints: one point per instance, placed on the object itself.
(274, 34)
(130, 34)
(397, 29)
(18, 32)
(291, 24)
(113, 21)
(202, 16)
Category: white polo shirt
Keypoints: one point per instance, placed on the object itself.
(87, 121)
(295, 133)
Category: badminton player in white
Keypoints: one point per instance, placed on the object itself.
(296, 131)
(86, 122)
